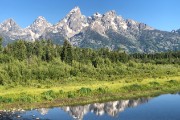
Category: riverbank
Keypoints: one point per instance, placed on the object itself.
(75, 93)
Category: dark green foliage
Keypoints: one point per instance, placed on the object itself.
(66, 54)
(2, 79)
(49, 95)
(134, 87)
(154, 84)
(20, 50)
(84, 90)
(23, 61)
(5, 58)
(101, 90)
(70, 94)
(74, 72)
(173, 82)
(61, 91)
(6, 100)
(158, 58)
(26, 98)
(38, 48)
(1, 48)
(94, 63)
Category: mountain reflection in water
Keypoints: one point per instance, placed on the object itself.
(75, 112)
(154, 109)
(110, 108)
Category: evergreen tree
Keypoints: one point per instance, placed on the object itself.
(38, 49)
(94, 60)
(1, 47)
(66, 54)
(29, 47)
(20, 50)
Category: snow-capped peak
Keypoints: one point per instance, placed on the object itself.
(76, 9)
(38, 26)
(41, 21)
(9, 25)
(74, 12)
(97, 14)
(72, 24)
(111, 13)
(9, 21)
(76, 27)
(40, 18)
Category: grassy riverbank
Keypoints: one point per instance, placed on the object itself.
(81, 93)
(33, 74)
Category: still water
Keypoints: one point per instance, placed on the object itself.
(164, 107)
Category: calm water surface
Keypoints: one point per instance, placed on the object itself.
(164, 107)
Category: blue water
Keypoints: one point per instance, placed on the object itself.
(164, 107)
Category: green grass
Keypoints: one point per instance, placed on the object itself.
(81, 92)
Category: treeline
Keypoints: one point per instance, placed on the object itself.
(41, 61)
(45, 50)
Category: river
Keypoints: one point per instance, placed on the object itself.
(163, 107)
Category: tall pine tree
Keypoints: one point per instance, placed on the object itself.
(1, 48)
(66, 54)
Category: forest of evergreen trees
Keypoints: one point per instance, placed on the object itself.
(45, 50)
(40, 60)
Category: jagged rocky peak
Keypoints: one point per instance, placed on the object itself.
(96, 16)
(72, 24)
(75, 10)
(108, 20)
(106, 30)
(132, 24)
(39, 25)
(143, 26)
(111, 13)
(109, 16)
(76, 21)
(121, 23)
(178, 31)
(39, 20)
(9, 25)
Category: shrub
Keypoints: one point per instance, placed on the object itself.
(134, 87)
(5, 58)
(101, 90)
(173, 82)
(132, 64)
(48, 95)
(3, 77)
(6, 100)
(70, 94)
(61, 91)
(26, 98)
(73, 72)
(84, 90)
(154, 83)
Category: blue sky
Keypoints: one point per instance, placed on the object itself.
(160, 14)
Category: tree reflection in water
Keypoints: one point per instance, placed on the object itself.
(76, 112)
(110, 108)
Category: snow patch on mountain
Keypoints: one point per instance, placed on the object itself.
(99, 30)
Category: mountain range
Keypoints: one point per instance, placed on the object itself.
(107, 30)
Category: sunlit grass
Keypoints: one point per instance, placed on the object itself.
(7, 91)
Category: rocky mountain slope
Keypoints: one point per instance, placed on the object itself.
(99, 30)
